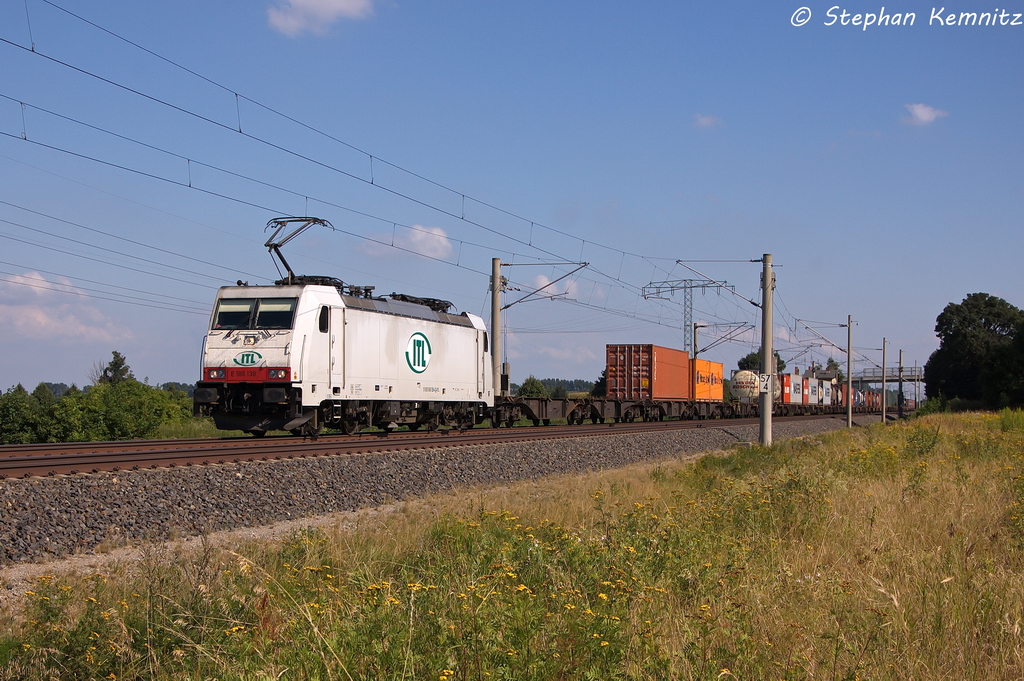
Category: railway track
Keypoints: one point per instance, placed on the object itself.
(25, 461)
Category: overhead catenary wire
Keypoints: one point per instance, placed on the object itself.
(241, 176)
(131, 241)
(528, 243)
(110, 250)
(225, 126)
(271, 210)
(153, 208)
(618, 282)
(189, 184)
(99, 260)
(644, 318)
(152, 294)
(50, 287)
(278, 147)
(370, 156)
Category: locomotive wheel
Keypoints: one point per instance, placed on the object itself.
(349, 427)
(414, 426)
(546, 422)
(258, 433)
(536, 422)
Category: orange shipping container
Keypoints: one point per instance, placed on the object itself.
(787, 388)
(707, 381)
(648, 372)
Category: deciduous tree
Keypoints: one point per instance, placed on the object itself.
(752, 362)
(532, 387)
(976, 356)
(117, 370)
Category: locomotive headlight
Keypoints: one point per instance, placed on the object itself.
(281, 374)
(215, 373)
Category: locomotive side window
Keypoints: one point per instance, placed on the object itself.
(233, 313)
(275, 313)
(325, 319)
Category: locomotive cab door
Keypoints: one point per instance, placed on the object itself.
(318, 368)
(337, 332)
(482, 365)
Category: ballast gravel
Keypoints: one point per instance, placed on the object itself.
(47, 518)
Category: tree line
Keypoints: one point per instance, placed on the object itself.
(115, 406)
(555, 388)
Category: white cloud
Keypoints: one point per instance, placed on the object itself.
(17, 287)
(922, 114)
(702, 121)
(61, 323)
(38, 310)
(295, 17)
(430, 241)
(565, 287)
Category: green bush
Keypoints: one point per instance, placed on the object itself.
(1011, 420)
(933, 405)
(17, 417)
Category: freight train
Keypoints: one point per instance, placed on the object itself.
(310, 352)
(317, 353)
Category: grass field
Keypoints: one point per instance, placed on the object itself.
(878, 553)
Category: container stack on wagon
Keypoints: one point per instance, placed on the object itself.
(645, 382)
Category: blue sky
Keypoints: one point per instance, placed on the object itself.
(883, 169)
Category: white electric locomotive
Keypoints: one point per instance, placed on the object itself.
(310, 352)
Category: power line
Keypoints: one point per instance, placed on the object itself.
(251, 204)
(303, 157)
(230, 198)
(100, 283)
(277, 147)
(371, 157)
(108, 250)
(116, 300)
(231, 173)
(233, 235)
(86, 257)
(529, 243)
(121, 238)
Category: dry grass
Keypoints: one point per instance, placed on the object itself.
(883, 552)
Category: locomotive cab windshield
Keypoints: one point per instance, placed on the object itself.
(255, 313)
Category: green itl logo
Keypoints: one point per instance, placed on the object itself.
(247, 358)
(417, 353)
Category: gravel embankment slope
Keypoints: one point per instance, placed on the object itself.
(46, 518)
